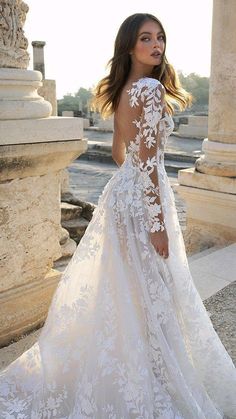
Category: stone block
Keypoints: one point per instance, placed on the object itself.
(30, 131)
(191, 177)
(24, 309)
(198, 121)
(210, 206)
(210, 218)
(33, 153)
(88, 207)
(67, 114)
(86, 123)
(30, 229)
(18, 161)
(197, 127)
(69, 211)
(76, 228)
(64, 236)
(68, 249)
(192, 131)
(106, 125)
(48, 92)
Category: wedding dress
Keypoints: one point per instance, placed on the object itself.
(127, 335)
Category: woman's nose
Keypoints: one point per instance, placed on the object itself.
(156, 43)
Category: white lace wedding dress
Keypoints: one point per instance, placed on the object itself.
(127, 335)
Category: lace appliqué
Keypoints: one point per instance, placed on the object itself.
(147, 145)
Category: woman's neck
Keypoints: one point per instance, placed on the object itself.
(136, 74)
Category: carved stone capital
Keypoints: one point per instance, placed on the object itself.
(13, 43)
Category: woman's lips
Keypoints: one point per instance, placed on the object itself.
(156, 54)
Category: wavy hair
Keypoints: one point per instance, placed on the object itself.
(108, 90)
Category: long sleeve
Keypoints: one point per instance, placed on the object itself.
(150, 138)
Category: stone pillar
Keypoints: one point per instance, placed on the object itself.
(220, 147)
(32, 154)
(210, 188)
(48, 88)
(38, 56)
(34, 148)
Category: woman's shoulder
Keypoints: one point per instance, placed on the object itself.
(143, 88)
(149, 83)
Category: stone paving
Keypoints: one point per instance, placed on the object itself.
(222, 310)
(175, 143)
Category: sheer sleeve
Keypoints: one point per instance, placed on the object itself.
(150, 138)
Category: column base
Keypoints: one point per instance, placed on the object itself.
(210, 213)
(19, 98)
(24, 308)
(219, 159)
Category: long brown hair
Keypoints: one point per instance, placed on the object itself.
(108, 90)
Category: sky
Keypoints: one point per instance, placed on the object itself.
(80, 36)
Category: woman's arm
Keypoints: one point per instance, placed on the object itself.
(153, 104)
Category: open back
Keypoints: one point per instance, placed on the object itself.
(144, 130)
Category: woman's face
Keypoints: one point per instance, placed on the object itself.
(150, 45)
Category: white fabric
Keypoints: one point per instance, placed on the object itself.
(127, 335)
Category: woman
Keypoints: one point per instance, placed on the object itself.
(127, 335)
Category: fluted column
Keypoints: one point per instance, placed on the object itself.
(209, 188)
(48, 88)
(220, 147)
(38, 56)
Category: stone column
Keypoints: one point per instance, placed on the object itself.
(210, 188)
(34, 148)
(220, 147)
(48, 87)
(38, 56)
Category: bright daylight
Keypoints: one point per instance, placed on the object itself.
(117, 209)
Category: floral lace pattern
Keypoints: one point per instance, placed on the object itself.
(127, 335)
(150, 141)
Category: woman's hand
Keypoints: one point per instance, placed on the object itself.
(159, 240)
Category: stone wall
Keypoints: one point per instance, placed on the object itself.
(106, 124)
(30, 228)
(196, 128)
(48, 92)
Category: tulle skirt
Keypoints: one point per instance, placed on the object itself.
(127, 335)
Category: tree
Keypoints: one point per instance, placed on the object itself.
(197, 85)
(79, 103)
(85, 97)
(68, 103)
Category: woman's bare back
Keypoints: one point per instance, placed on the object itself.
(125, 116)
